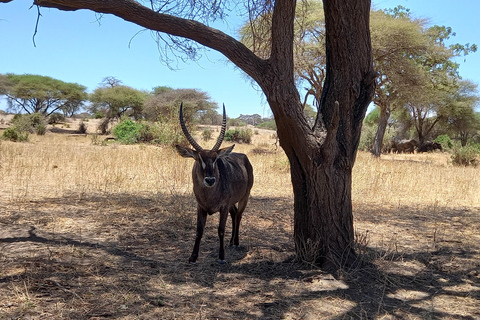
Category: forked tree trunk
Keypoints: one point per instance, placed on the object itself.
(322, 158)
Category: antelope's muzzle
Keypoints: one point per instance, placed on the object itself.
(209, 181)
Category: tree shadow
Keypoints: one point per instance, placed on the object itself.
(115, 255)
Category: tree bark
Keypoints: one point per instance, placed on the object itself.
(321, 157)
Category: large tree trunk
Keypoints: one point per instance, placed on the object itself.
(322, 158)
(380, 133)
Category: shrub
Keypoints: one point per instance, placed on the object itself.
(445, 141)
(82, 128)
(270, 124)
(56, 118)
(98, 115)
(127, 132)
(13, 134)
(206, 135)
(236, 123)
(40, 129)
(239, 135)
(31, 123)
(465, 156)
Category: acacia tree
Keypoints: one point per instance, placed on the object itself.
(29, 93)
(163, 104)
(321, 157)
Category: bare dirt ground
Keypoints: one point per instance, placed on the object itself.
(104, 232)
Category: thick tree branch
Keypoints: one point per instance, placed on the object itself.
(134, 12)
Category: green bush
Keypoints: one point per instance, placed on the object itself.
(239, 135)
(41, 129)
(32, 123)
(13, 134)
(206, 135)
(130, 132)
(127, 132)
(236, 123)
(270, 124)
(465, 156)
(56, 118)
(445, 141)
(98, 115)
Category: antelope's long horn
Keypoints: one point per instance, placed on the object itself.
(189, 137)
(222, 132)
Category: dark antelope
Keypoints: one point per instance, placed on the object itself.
(221, 179)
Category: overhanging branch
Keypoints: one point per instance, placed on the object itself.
(134, 12)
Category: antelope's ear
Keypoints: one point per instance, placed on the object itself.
(225, 151)
(186, 152)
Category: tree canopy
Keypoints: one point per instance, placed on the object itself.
(30, 93)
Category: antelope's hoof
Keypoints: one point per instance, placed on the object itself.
(221, 261)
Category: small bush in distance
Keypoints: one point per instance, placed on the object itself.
(56, 118)
(465, 156)
(40, 129)
(206, 135)
(82, 128)
(13, 134)
(127, 132)
(239, 135)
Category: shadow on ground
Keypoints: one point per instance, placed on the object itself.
(124, 256)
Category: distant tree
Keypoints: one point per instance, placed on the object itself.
(461, 119)
(253, 119)
(396, 38)
(163, 104)
(116, 101)
(30, 94)
(210, 117)
(433, 100)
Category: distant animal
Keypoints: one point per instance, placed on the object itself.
(404, 146)
(428, 146)
(221, 179)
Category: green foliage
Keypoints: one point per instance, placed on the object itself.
(466, 156)
(127, 132)
(13, 134)
(56, 118)
(239, 135)
(30, 123)
(40, 129)
(130, 132)
(39, 94)
(163, 105)
(117, 101)
(445, 141)
(269, 124)
(98, 115)
(206, 135)
(236, 123)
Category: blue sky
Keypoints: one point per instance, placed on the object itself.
(78, 47)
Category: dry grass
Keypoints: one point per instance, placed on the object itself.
(104, 232)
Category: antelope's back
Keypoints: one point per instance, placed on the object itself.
(236, 174)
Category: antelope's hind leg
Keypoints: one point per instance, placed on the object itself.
(236, 217)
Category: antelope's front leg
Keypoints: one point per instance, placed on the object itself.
(201, 220)
(221, 234)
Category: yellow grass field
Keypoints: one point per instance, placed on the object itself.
(104, 232)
